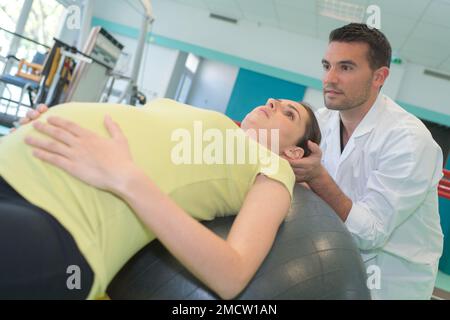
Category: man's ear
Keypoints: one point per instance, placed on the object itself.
(381, 75)
(293, 153)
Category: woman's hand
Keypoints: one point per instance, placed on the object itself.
(31, 115)
(101, 162)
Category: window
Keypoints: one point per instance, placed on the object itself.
(192, 63)
(42, 25)
(187, 78)
(9, 14)
(38, 20)
(44, 20)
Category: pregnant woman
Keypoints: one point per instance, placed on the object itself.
(88, 185)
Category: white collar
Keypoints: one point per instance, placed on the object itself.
(367, 123)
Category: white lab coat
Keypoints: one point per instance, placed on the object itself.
(390, 169)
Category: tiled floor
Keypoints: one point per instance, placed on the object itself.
(442, 287)
(443, 281)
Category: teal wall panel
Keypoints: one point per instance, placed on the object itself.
(252, 89)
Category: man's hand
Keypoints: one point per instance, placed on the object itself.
(31, 115)
(308, 168)
(311, 171)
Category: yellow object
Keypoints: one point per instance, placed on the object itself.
(54, 66)
(104, 227)
(30, 71)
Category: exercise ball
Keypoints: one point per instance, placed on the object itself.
(313, 257)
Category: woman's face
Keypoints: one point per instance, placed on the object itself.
(288, 116)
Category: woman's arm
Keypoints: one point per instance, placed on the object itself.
(226, 266)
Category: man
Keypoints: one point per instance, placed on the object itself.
(378, 167)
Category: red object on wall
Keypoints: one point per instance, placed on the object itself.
(444, 185)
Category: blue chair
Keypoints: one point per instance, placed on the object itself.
(27, 78)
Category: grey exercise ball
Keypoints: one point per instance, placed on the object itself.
(313, 257)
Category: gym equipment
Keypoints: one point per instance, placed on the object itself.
(26, 78)
(131, 95)
(90, 79)
(313, 257)
(58, 72)
(71, 75)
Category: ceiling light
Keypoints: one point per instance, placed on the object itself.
(223, 18)
(340, 10)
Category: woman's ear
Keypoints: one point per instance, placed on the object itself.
(293, 153)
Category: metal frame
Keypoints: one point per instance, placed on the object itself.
(131, 91)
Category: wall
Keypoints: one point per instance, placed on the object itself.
(252, 89)
(271, 51)
(314, 98)
(394, 82)
(72, 35)
(422, 90)
(176, 75)
(212, 86)
(290, 52)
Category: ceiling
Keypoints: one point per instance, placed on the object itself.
(419, 30)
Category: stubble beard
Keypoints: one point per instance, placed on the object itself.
(349, 103)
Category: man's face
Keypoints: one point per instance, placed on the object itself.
(348, 78)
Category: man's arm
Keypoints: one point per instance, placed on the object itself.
(408, 167)
(310, 170)
(327, 189)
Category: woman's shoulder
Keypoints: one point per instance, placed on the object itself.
(280, 170)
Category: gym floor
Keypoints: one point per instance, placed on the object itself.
(442, 287)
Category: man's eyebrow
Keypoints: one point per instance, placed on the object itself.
(347, 62)
(350, 62)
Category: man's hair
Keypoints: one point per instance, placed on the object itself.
(312, 131)
(380, 51)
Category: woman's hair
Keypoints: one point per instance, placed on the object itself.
(312, 131)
